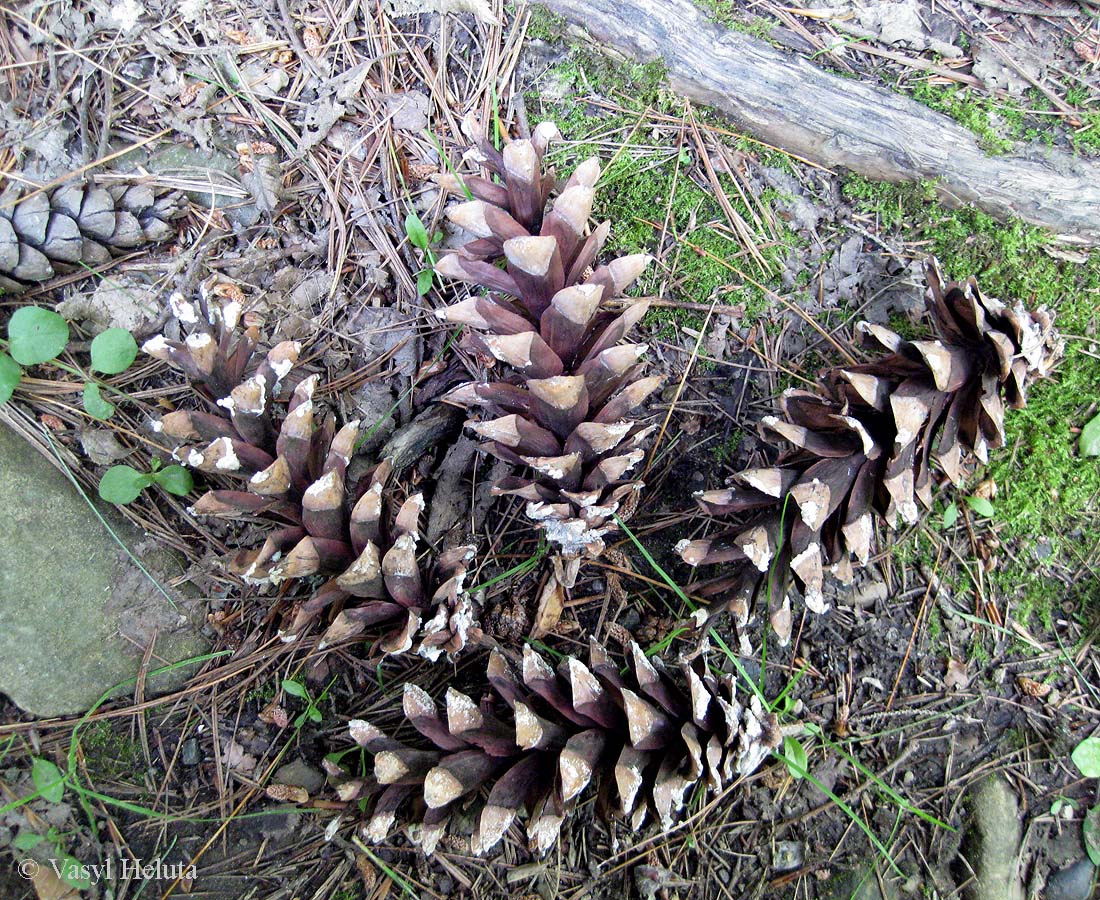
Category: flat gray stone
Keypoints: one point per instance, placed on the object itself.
(75, 613)
(301, 774)
(992, 844)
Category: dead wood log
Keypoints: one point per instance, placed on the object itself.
(785, 100)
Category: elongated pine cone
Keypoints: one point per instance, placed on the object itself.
(538, 741)
(564, 414)
(865, 444)
(77, 225)
(293, 469)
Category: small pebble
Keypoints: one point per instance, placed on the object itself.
(1074, 882)
(190, 755)
(788, 855)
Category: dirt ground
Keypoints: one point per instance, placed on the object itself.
(314, 131)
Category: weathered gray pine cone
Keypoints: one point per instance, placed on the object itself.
(865, 444)
(541, 739)
(293, 470)
(74, 225)
(565, 411)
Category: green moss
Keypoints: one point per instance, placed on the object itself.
(1087, 138)
(110, 754)
(994, 127)
(935, 625)
(651, 195)
(543, 24)
(726, 451)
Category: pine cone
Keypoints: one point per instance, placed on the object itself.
(541, 739)
(294, 472)
(77, 225)
(564, 414)
(864, 445)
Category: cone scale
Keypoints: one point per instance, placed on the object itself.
(562, 397)
(289, 466)
(77, 226)
(866, 446)
(542, 740)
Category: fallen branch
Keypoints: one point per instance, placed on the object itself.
(787, 101)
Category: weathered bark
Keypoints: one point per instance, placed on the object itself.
(787, 101)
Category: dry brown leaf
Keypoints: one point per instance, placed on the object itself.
(274, 714)
(367, 872)
(1090, 52)
(228, 290)
(957, 676)
(235, 757)
(551, 604)
(314, 41)
(987, 490)
(47, 885)
(288, 793)
(1033, 688)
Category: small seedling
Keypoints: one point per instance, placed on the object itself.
(299, 690)
(980, 505)
(796, 758)
(69, 869)
(37, 336)
(418, 237)
(122, 484)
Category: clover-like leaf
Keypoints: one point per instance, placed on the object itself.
(795, 756)
(27, 840)
(1086, 756)
(423, 282)
(295, 688)
(417, 233)
(48, 779)
(122, 484)
(981, 506)
(1090, 830)
(94, 404)
(10, 373)
(175, 479)
(36, 335)
(113, 351)
(951, 514)
(1089, 442)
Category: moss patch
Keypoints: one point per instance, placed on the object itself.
(110, 754)
(657, 195)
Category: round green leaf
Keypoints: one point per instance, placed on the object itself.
(981, 506)
(175, 479)
(113, 351)
(1089, 443)
(94, 404)
(295, 688)
(950, 515)
(27, 840)
(48, 780)
(1086, 756)
(1090, 829)
(794, 754)
(423, 282)
(71, 873)
(36, 335)
(122, 484)
(10, 373)
(417, 233)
